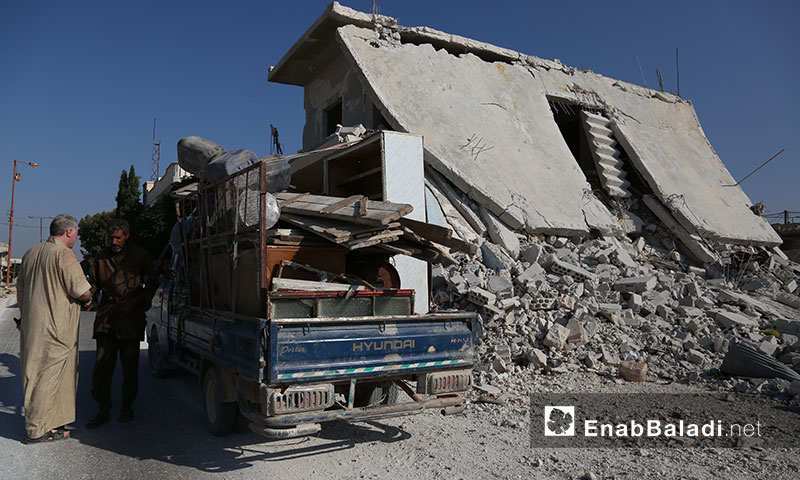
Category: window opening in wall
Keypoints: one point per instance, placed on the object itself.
(333, 117)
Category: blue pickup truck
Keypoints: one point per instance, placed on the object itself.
(286, 360)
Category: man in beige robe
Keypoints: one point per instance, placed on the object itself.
(50, 288)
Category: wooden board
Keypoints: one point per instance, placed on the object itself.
(378, 213)
(336, 232)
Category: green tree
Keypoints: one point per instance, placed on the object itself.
(128, 204)
(92, 232)
(154, 225)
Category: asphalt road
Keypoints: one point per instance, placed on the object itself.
(167, 438)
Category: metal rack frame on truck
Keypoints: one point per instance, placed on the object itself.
(247, 304)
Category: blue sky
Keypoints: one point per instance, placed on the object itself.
(81, 81)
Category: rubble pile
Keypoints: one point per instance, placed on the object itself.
(631, 308)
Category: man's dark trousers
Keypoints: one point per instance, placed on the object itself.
(108, 346)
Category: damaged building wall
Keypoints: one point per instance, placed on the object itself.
(666, 144)
(489, 128)
(485, 140)
(336, 96)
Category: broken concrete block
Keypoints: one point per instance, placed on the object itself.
(531, 253)
(567, 301)
(563, 268)
(621, 257)
(481, 297)
(608, 357)
(690, 312)
(558, 242)
(695, 357)
(728, 319)
(499, 365)
(788, 299)
(472, 279)
(721, 344)
(556, 337)
(636, 284)
(635, 302)
(537, 358)
(755, 284)
(768, 346)
(591, 361)
(495, 258)
(639, 244)
(499, 232)
(532, 273)
(503, 351)
(508, 303)
(498, 285)
(544, 303)
(790, 286)
(633, 371)
(577, 334)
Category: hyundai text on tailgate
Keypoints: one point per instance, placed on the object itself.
(289, 327)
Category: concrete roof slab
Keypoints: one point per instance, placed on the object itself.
(483, 128)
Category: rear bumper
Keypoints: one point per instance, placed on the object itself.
(289, 421)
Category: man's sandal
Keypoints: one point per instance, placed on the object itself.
(51, 436)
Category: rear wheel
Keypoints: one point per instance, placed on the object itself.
(377, 394)
(156, 357)
(220, 416)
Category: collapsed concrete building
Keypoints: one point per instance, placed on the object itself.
(537, 146)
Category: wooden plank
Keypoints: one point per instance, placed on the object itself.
(428, 230)
(341, 204)
(334, 231)
(434, 233)
(296, 198)
(379, 236)
(369, 242)
(379, 213)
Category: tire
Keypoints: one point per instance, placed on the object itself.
(381, 394)
(156, 357)
(220, 416)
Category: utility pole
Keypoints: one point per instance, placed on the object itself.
(16, 178)
(155, 160)
(41, 238)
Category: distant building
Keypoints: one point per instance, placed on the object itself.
(152, 190)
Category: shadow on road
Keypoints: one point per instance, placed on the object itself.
(169, 427)
(12, 424)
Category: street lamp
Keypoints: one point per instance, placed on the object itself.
(41, 239)
(17, 177)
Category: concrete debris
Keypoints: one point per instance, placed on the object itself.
(499, 233)
(730, 319)
(621, 308)
(557, 337)
(636, 284)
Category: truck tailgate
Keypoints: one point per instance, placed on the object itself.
(312, 349)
